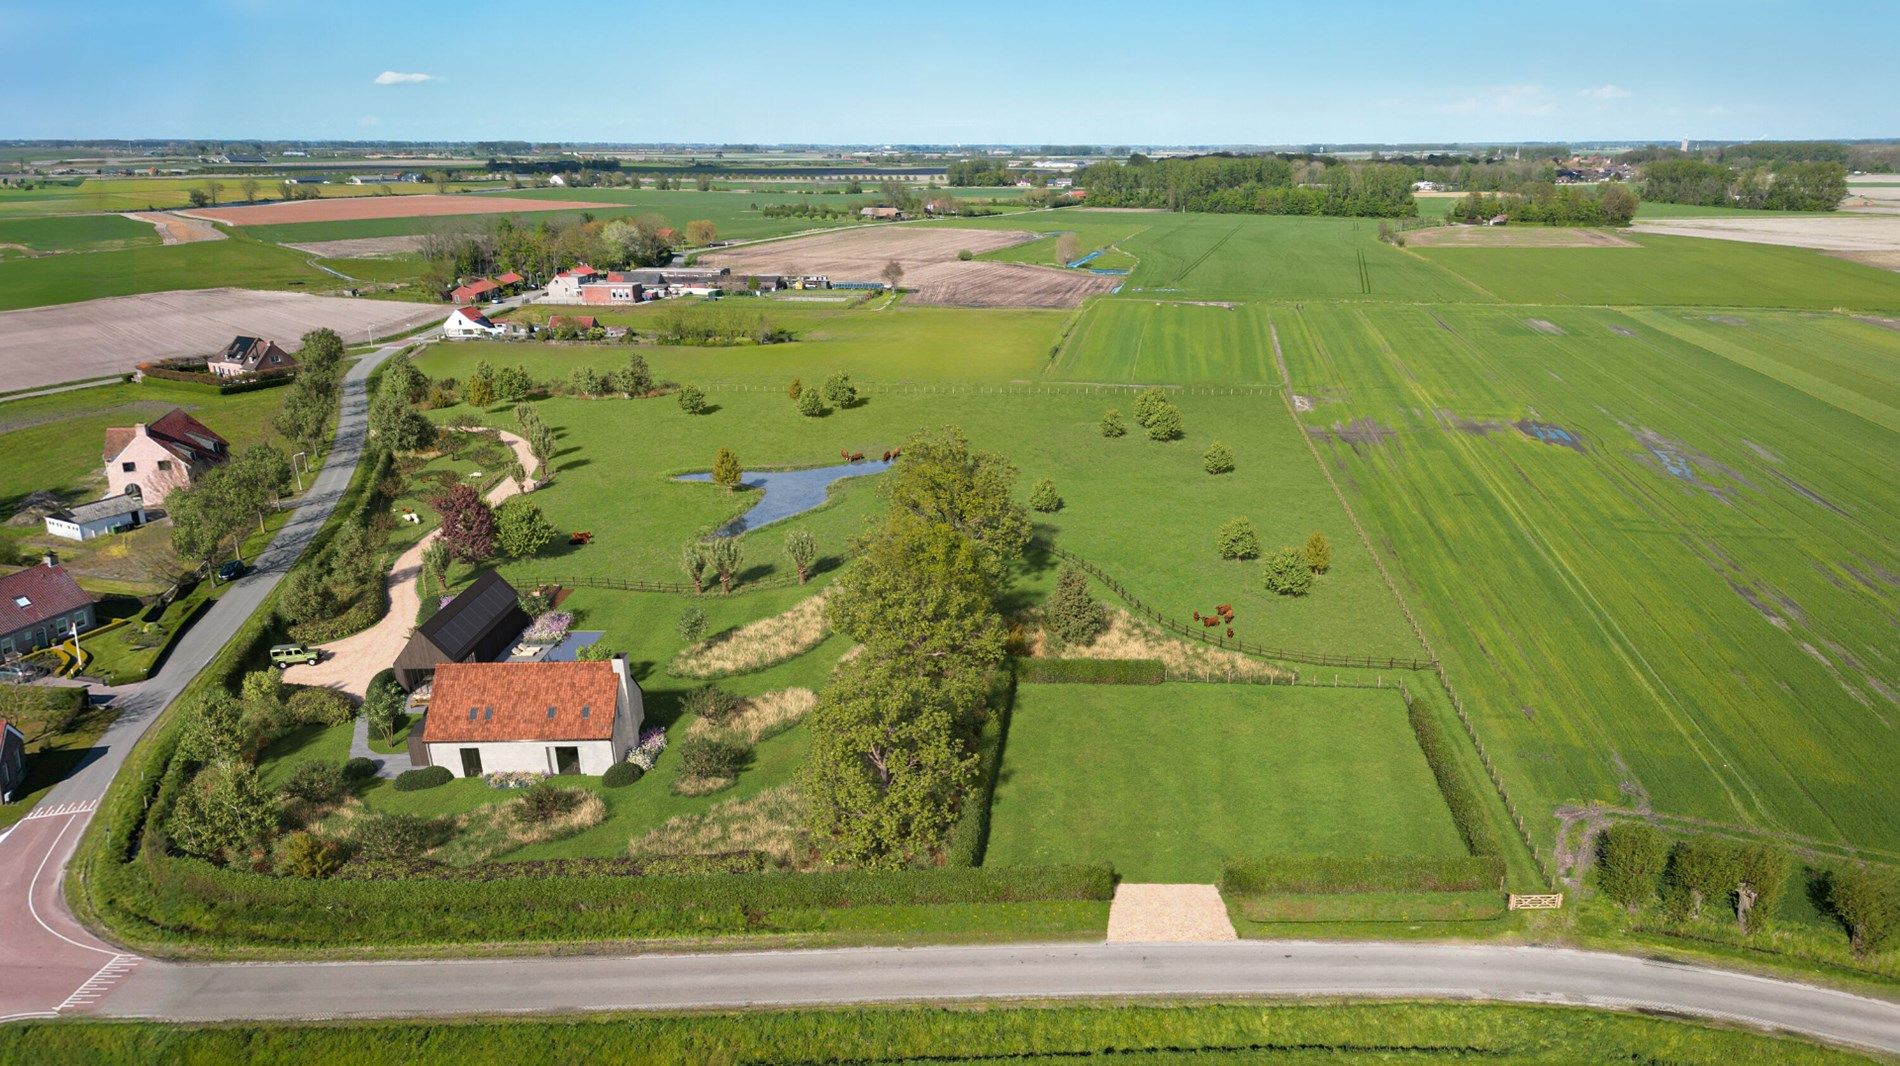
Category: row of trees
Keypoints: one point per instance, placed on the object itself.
(1784, 187)
(545, 247)
(893, 748)
(310, 402)
(1552, 205)
(1255, 184)
(210, 517)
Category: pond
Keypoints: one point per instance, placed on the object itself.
(789, 492)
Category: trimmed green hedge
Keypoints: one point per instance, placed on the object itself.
(1091, 671)
(1466, 806)
(971, 835)
(423, 777)
(1361, 873)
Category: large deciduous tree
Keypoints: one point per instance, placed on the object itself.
(468, 525)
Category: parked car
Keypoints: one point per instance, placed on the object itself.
(282, 655)
(20, 673)
(233, 570)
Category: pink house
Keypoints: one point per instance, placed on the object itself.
(152, 459)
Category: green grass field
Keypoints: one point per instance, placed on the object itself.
(1128, 341)
(1169, 782)
(73, 233)
(141, 194)
(1692, 606)
(239, 262)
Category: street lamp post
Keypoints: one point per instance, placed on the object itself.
(299, 473)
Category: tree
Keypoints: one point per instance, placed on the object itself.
(634, 379)
(839, 392)
(701, 231)
(811, 403)
(1218, 459)
(888, 764)
(802, 550)
(1701, 870)
(693, 564)
(197, 197)
(224, 813)
(692, 625)
(400, 427)
(587, 381)
(312, 397)
(1166, 424)
(1148, 404)
(1075, 618)
(692, 400)
(249, 185)
(1236, 539)
(521, 529)
(384, 708)
(216, 730)
(795, 389)
(725, 469)
(513, 384)
(1630, 859)
(255, 480)
(724, 556)
(942, 481)
(1112, 424)
(206, 516)
(435, 562)
(542, 446)
(1318, 552)
(1763, 881)
(1867, 902)
(1042, 496)
(1068, 249)
(893, 274)
(468, 525)
(480, 390)
(1286, 573)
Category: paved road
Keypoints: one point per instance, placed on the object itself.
(201, 992)
(49, 963)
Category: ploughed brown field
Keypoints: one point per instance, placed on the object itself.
(932, 270)
(1515, 237)
(353, 208)
(94, 338)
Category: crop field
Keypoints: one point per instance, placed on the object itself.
(1666, 271)
(1128, 341)
(1169, 782)
(143, 194)
(1655, 548)
(359, 208)
(239, 261)
(75, 233)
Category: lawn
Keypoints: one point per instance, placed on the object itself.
(73, 233)
(1128, 341)
(240, 262)
(1169, 782)
(1690, 606)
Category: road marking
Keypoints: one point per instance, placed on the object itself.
(33, 907)
(99, 983)
(62, 809)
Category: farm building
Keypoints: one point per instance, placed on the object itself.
(475, 291)
(250, 355)
(12, 761)
(98, 518)
(150, 460)
(477, 626)
(680, 281)
(465, 322)
(882, 214)
(565, 287)
(41, 606)
(510, 281)
(544, 717)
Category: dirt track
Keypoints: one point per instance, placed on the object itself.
(352, 208)
(1515, 237)
(94, 338)
(932, 270)
(174, 228)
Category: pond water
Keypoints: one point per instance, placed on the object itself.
(788, 492)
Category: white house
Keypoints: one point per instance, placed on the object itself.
(540, 717)
(96, 519)
(565, 287)
(466, 322)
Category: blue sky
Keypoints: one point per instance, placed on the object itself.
(1093, 72)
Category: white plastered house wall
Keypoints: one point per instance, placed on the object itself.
(540, 756)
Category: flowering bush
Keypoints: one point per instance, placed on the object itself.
(647, 751)
(513, 778)
(549, 628)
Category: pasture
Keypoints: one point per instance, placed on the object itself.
(1130, 341)
(1653, 548)
(72, 233)
(153, 194)
(238, 262)
(1168, 782)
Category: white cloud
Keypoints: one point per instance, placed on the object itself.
(1607, 92)
(396, 77)
(1502, 100)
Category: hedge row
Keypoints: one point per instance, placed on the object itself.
(730, 862)
(1467, 807)
(971, 835)
(1091, 671)
(1361, 873)
(224, 386)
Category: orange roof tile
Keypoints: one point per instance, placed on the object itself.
(488, 702)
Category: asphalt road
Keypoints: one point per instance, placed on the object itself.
(48, 962)
(211, 992)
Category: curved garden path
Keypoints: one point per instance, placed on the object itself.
(349, 664)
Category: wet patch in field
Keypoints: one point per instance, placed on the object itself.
(1481, 428)
(1759, 603)
(1302, 403)
(1728, 320)
(1358, 431)
(1761, 451)
(1682, 463)
(1544, 326)
(1549, 434)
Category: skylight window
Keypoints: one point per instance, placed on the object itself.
(22, 601)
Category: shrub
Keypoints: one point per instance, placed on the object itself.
(425, 777)
(709, 755)
(1112, 424)
(1042, 496)
(1466, 807)
(543, 802)
(811, 403)
(1764, 878)
(1167, 424)
(964, 255)
(1236, 539)
(1630, 859)
(621, 774)
(315, 782)
(692, 400)
(1318, 553)
(1867, 902)
(398, 837)
(1091, 671)
(1360, 873)
(712, 703)
(692, 625)
(319, 706)
(839, 392)
(1148, 405)
(1218, 459)
(359, 769)
(1074, 616)
(646, 752)
(521, 530)
(1701, 871)
(1286, 573)
(795, 389)
(302, 854)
